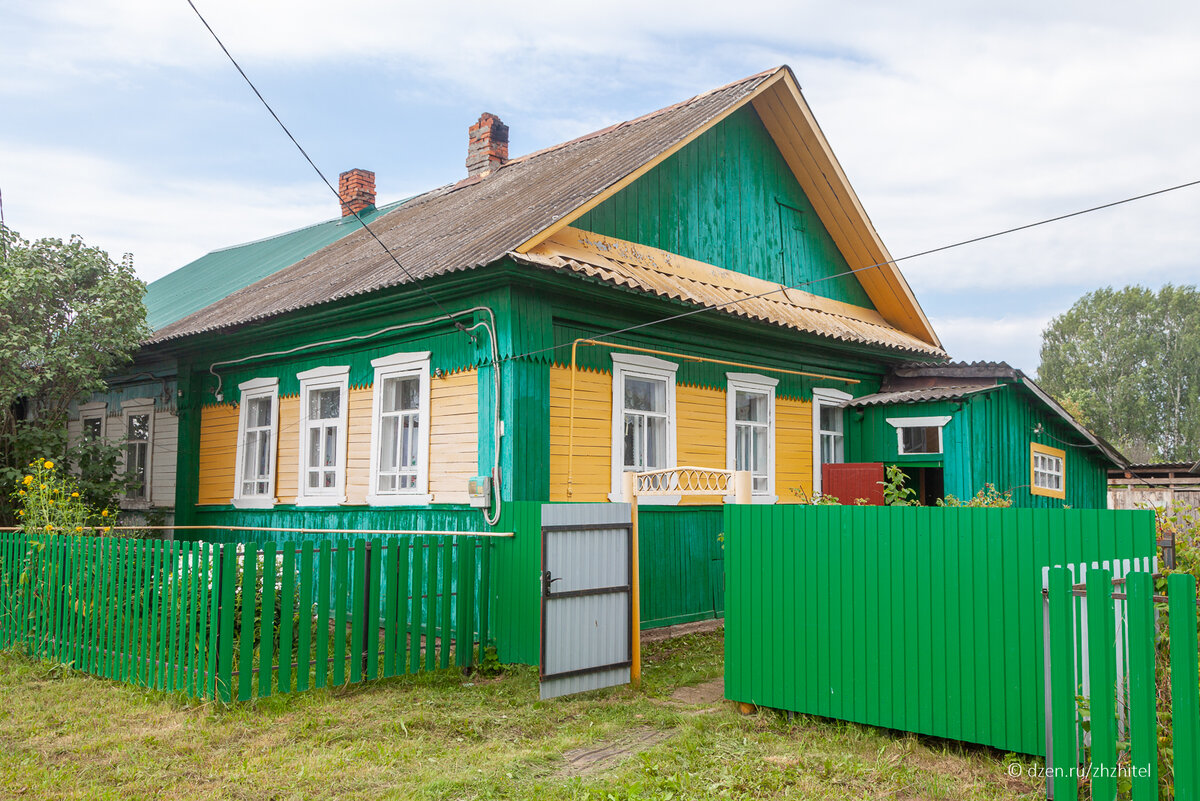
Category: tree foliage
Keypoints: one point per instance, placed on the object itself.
(1128, 362)
(69, 316)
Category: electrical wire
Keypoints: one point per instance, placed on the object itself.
(312, 164)
(811, 281)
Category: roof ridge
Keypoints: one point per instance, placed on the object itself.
(642, 118)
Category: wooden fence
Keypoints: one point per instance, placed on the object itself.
(234, 621)
(1087, 643)
(921, 619)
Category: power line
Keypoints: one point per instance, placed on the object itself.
(317, 169)
(930, 251)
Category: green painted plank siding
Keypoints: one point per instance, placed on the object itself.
(987, 441)
(806, 634)
(730, 199)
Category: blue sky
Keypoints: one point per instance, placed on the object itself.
(123, 122)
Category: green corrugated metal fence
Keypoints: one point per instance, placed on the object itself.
(228, 621)
(1120, 663)
(920, 619)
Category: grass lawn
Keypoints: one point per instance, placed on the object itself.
(440, 736)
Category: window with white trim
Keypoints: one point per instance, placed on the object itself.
(139, 433)
(91, 420)
(400, 430)
(324, 395)
(643, 415)
(750, 430)
(258, 426)
(918, 435)
(1047, 471)
(829, 429)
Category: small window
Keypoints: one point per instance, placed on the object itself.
(137, 456)
(400, 430)
(91, 420)
(829, 439)
(643, 415)
(918, 435)
(750, 439)
(257, 425)
(323, 400)
(1047, 471)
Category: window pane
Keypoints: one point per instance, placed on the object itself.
(91, 428)
(656, 443)
(750, 407)
(831, 418)
(408, 444)
(330, 479)
(330, 446)
(758, 462)
(388, 455)
(633, 439)
(410, 393)
(264, 455)
(139, 426)
(324, 404)
(741, 448)
(260, 413)
(646, 395)
(314, 448)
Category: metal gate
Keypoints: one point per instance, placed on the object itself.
(587, 584)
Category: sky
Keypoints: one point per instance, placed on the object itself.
(121, 121)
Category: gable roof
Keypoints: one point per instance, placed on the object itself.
(221, 272)
(531, 198)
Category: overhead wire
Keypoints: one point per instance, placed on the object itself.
(844, 273)
(317, 169)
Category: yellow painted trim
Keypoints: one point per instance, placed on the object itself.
(1046, 450)
(583, 209)
(590, 247)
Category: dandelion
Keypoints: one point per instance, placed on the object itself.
(49, 465)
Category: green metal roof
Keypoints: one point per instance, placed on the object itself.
(222, 272)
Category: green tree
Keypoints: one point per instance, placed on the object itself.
(69, 316)
(1128, 361)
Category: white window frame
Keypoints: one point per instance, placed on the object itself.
(132, 408)
(320, 378)
(649, 367)
(761, 385)
(938, 422)
(401, 365)
(252, 390)
(96, 410)
(824, 396)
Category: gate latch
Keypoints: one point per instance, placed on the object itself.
(547, 581)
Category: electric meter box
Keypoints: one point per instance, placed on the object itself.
(479, 490)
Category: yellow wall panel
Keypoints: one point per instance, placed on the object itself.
(700, 432)
(453, 435)
(592, 464)
(358, 445)
(218, 453)
(793, 448)
(287, 450)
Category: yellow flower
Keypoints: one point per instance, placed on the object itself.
(48, 527)
(28, 480)
(79, 528)
(107, 529)
(51, 501)
(74, 494)
(43, 486)
(21, 492)
(49, 465)
(20, 512)
(104, 513)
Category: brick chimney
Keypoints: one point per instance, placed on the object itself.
(487, 145)
(357, 191)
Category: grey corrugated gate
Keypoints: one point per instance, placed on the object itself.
(586, 597)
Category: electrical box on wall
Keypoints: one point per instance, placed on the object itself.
(479, 490)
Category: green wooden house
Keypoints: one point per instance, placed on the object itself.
(699, 286)
(955, 428)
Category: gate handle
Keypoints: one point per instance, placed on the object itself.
(547, 581)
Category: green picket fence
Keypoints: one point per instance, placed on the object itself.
(235, 621)
(920, 619)
(1121, 748)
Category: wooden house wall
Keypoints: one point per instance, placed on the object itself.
(987, 441)
(730, 199)
(163, 444)
(453, 443)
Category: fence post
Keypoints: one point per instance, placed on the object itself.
(743, 486)
(1143, 717)
(1185, 705)
(369, 620)
(1063, 758)
(1101, 639)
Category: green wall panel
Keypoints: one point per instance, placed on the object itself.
(729, 198)
(681, 565)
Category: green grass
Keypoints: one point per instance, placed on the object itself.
(443, 736)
